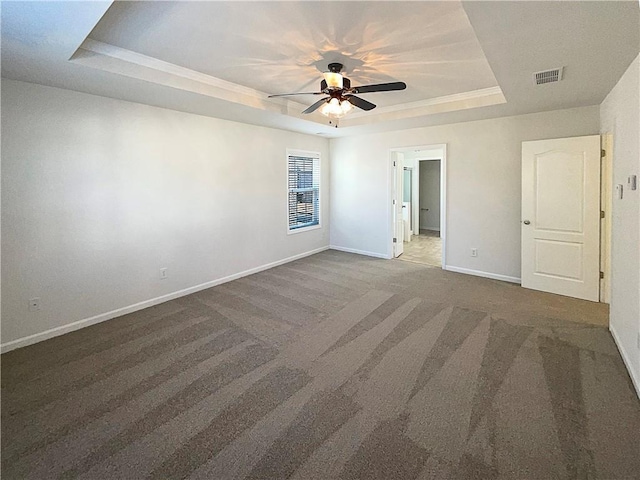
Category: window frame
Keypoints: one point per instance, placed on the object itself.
(315, 156)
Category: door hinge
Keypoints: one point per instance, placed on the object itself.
(394, 202)
(394, 163)
(601, 213)
(603, 153)
(395, 240)
(601, 274)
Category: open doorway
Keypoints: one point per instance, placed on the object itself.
(418, 193)
(427, 247)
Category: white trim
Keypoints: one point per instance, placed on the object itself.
(152, 63)
(304, 229)
(455, 98)
(412, 219)
(635, 377)
(443, 194)
(292, 152)
(480, 273)
(70, 327)
(443, 203)
(450, 103)
(111, 58)
(360, 252)
(606, 204)
(391, 188)
(415, 198)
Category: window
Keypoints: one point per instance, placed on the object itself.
(303, 190)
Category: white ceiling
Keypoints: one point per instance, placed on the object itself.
(461, 61)
(429, 45)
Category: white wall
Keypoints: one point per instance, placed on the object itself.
(99, 194)
(483, 185)
(429, 194)
(619, 115)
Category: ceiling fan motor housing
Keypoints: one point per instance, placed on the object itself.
(346, 85)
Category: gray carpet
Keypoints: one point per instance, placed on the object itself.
(335, 366)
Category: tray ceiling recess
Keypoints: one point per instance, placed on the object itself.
(461, 61)
(241, 54)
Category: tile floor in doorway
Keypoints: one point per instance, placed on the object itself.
(425, 248)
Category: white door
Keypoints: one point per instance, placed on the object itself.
(398, 222)
(406, 219)
(407, 205)
(561, 216)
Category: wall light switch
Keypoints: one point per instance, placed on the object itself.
(619, 191)
(163, 273)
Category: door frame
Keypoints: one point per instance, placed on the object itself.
(606, 201)
(443, 194)
(397, 178)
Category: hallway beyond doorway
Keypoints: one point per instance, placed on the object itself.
(425, 248)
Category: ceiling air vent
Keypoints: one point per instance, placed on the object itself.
(548, 76)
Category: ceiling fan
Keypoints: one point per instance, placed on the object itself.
(341, 95)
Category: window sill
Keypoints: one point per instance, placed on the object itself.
(303, 229)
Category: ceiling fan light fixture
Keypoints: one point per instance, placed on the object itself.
(334, 80)
(336, 108)
(333, 108)
(346, 106)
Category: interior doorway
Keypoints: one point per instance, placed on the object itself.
(418, 199)
(428, 245)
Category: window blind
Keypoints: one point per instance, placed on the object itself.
(304, 191)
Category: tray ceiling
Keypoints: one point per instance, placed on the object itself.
(278, 47)
(461, 61)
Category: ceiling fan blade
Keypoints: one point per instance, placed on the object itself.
(291, 94)
(380, 87)
(316, 105)
(360, 102)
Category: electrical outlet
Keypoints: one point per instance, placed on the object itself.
(34, 304)
(163, 273)
(474, 252)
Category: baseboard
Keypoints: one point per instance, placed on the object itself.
(479, 273)
(77, 325)
(635, 376)
(360, 252)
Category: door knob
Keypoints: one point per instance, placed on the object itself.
(526, 222)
